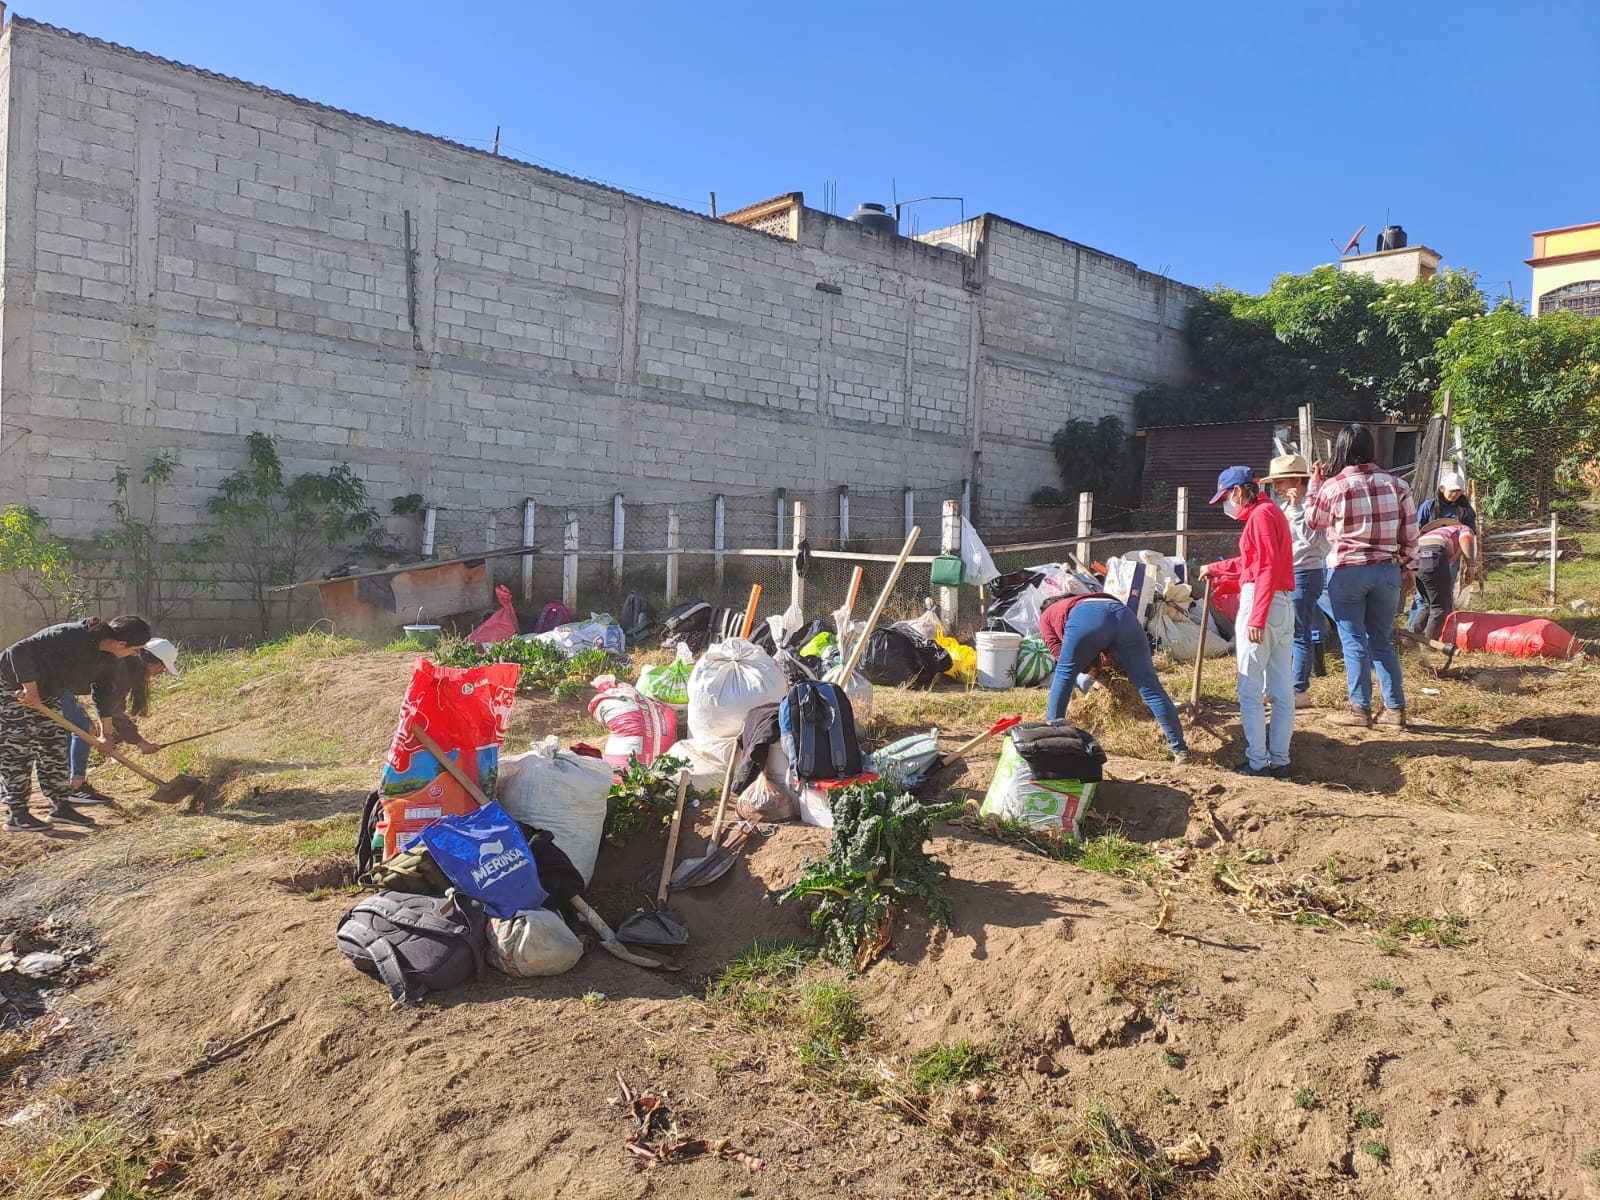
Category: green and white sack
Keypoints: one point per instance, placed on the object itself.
(670, 684)
(1015, 795)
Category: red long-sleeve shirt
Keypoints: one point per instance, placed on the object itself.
(1054, 618)
(1265, 558)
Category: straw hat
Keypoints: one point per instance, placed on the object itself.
(1287, 466)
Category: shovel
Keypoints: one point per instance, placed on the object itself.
(1192, 708)
(841, 674)
(653, 925)
(714, 863)
(608, 940)
(1000, 726)
(1448, 649)
(750, 611)
(197, 736)
(168, 791)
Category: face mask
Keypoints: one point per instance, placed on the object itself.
(1232, 509)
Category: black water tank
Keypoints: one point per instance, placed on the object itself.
(1392, 238)
(875, 216)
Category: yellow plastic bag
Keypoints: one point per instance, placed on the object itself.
(963, 661)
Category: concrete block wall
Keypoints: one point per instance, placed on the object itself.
(188, 258)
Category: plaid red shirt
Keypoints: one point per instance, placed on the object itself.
(1370, 517)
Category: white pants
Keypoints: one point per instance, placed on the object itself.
(1266, 667)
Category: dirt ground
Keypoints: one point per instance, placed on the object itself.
(1379, 980)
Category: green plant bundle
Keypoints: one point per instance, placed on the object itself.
(641, 793)
(544, 664)
(876, 861)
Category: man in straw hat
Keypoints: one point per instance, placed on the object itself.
(1287, 478)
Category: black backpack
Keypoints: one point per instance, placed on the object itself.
(416, 944)
(819, 732)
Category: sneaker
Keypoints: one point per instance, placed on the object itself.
(1280, 772)
(23, 821)
(1302, 700)
(1393, 716)
(1181, 758)
(1253, 772)
(1352, 717)
(88, 794)
(64, 814)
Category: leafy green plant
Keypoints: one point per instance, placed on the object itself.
(1364, 1118)
(544, 664)
(956, 1063)
(643, 792)
(1306, 1100)
(45, 569)
(279, 530)
(156, 577)
(1375, 1150)
(877, 861)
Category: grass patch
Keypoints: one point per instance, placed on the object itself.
(758, 983)
(1376, 1151)
(1591, 1160)
(317, 840)
(829, 1016)
(61, 1152)
(1382, 983)
(1111, 853)
(1306, 1100)
(1171, 1058)
(1364, 1118)
(941, 1065)
(1448, 933)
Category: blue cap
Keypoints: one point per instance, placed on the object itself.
(1232, 478)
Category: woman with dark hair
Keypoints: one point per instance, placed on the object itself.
(77, 657)
(129, 697)
(1371, 520)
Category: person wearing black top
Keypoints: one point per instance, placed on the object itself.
(77, 657)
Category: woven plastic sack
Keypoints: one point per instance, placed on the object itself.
(599, 632)
(670, 684)
(639, 726)
(730, 679)
(555, 789)
(533, 943)
(1015, 795)
(1035, 663)
(963, 660)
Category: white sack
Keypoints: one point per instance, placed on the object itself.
(706, 758)
(555, 789)
(730, 679)
(534, 942)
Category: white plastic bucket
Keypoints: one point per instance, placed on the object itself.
(997, 659)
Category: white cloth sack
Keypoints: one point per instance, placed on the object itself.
(534, 942)
(599, 632)
(563, 792)
(706, 758)
(730, 679)
(1172, 629)
(816, 807)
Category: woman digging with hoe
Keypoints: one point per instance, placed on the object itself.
(77, 657)
(1371, 521)
(129, 697)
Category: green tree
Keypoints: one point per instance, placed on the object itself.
(1357, 349)
(279, 531)
(156, 576)
(1091, 456)
(1526, 393)
(45, 569)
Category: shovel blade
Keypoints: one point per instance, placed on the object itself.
(697, 872)
(653, 926)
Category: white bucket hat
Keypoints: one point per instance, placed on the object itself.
(165, 652)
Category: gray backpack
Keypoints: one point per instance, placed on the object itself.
(416, 944)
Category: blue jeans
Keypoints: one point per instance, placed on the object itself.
(77, 748)
(1094, 627)
(1365, 601)
(1308, 587)
(1266, 669)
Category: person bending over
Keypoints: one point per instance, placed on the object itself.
(129, 697)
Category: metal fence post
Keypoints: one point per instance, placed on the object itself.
(618, 540)
(1085, 526)
(797, 582)
(844, 517)
(430, 528)
(529, 510)
(569, 563)
(673, 546)
(950, 597)
(719, 543)
(1181, 549)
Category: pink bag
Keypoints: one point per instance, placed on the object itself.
(639, 725)
(501, 624)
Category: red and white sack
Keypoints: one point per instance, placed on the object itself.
(639, 725)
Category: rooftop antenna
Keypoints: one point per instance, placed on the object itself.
(496, 141)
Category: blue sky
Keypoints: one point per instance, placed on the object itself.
(1216, 140)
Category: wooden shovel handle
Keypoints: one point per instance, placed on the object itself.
(1200, 651)
(672, 840)
(451, 768)
(147, 776)
(727, 786)
(750, 611)
(999, 726)
(855, 590)
(877, 609)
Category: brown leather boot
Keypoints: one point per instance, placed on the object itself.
(1352, 717)
(1393, 716)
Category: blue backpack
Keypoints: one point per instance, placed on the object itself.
(818, 729)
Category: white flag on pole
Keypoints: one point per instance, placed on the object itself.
(979, 565)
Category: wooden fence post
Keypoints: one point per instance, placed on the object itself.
(783, 499)
(797, 583)
(950, 597)
(844, 517)
(569, 563)
(529, 510)
(673, 546)
(1085, 527)
(1181, 549)
(1555, 552)
(719, 508)
(910, 499)
(618, 538)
